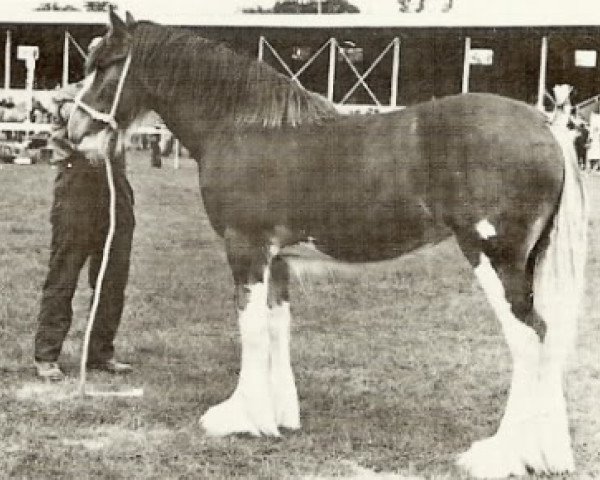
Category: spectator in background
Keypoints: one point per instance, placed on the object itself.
(581, 143)
(593, 152)
(563, 109)
(155, 157)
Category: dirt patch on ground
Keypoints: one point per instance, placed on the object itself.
(356, 472)
(47, 392)
(115, 437)
(51, 392)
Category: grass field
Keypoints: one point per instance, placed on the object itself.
(397, 371)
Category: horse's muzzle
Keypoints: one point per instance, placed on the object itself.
(97, 147)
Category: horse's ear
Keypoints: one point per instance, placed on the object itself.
(115, 25)
(129, 20)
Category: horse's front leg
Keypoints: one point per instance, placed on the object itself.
(283, 384)
(251, 407)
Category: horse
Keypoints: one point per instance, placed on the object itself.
(280, 166)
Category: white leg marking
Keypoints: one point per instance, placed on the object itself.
(485, 229)
(250, 408)
(554, 434)
(287, 411)
(554, 423)
(517, 444)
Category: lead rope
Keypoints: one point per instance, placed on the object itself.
(112, 223)
(110, 120)
(112, 220)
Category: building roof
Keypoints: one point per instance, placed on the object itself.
(499, 13)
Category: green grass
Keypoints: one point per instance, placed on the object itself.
(398, 370)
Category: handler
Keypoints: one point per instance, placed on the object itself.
(80, 219)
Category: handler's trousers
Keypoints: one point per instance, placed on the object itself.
(80, 219)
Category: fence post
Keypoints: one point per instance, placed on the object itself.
(7, 49)
(466, 65)
(543, 71)
(65, 72)
(331, 74)
(395, 73)
(261, 48)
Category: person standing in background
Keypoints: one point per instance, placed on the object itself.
(593, 151)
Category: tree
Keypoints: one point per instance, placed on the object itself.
(310, 6)
(55, 7)
(95, 6)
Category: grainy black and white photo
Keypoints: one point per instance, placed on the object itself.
(300, 239)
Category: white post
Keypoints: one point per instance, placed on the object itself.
(395, 73)
(30, 64)
(466, 66)
(543, 71)
(29, 54)
(261, 48)
(65, 72)
(331, 74)
(176, 159)
(319, 7)
(7, 49)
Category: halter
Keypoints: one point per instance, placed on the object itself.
(108, 118)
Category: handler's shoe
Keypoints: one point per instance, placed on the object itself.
(111, 366)
(49, 371)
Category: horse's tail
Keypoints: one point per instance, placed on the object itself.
(558, 282)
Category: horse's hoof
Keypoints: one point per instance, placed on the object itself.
(558, 454)
(492, 458)
(230, 417)
(289, 420)
(287, 410)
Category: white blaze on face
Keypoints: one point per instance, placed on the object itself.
(485, 229)
(87, 83)
(75, 125)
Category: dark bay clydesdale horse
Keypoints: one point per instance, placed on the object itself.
(278, 166)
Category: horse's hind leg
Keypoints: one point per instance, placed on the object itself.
(533, 433)
(250, 409)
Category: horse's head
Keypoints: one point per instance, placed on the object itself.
(106, 102)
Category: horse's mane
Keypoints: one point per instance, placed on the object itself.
(222, 84)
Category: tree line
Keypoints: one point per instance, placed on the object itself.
(344, 6)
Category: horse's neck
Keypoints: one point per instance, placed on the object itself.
(182, 112)
(193, 133)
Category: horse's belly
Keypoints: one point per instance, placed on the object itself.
(374, 233)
